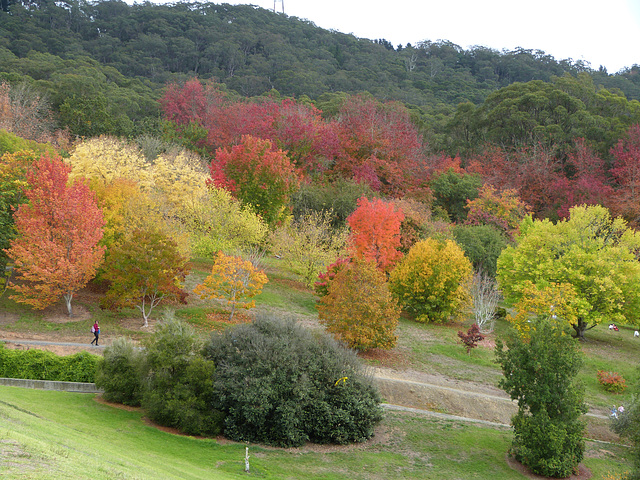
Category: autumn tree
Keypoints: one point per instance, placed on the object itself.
(256, 173)
(142, 270)
(309, 244)
(502, 210)
(26, 112)
(359, 309)
(381, 145)
(214, 221)
(107, 158)
(591, 251)
(56, 251)
(375, 232)
(432, 281)
(626, 171)
(233, 279)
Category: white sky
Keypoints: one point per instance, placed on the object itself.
(600, 32)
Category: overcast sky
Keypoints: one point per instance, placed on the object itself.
(600, 32)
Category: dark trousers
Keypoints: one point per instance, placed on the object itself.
(96, 334)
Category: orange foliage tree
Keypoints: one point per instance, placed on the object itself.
(56, 251)
(375, 232)
(359, 309)
(233, 279)
(502, 210)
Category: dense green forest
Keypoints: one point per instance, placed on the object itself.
(103, 65)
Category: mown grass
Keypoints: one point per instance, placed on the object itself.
(59, 435)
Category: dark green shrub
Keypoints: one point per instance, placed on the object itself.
(43, 365)
(280, 384)
(539, 372)
(119, 373)
(178, 386)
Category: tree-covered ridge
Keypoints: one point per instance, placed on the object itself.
(254, 50)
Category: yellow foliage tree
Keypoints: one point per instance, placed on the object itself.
(178, 176)
(107, 158)
(234, 279)
(309, 244)
(214, 221)
(359, 309)
(557, 302)
(432, 280)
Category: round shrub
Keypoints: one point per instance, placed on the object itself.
(178, 381)
(432, 280)
(119, 373)
(280, 384)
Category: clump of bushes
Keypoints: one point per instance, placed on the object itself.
(270, 381)
(170, 379)
(43, 365)
(280, 384)
(612, 382)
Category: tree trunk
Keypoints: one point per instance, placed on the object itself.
(67, 299)
(580, 328)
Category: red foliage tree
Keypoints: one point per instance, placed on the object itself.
(56, 251)
(471, 338)
(380, 145)
(626, 172)
(375, 232)
(257, 174)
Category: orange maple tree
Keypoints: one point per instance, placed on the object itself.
(234, 279)
(375, 232)
(56, 251)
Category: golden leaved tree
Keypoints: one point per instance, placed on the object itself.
(234, 279)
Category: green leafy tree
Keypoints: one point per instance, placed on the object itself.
(482, 244)
(145, 268)
(359, 309)
(432, 280)
(590, 251)
(539, 372)
(452, 190)
(119, 372)
(178, 388)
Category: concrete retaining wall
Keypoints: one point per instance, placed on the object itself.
(77, 387)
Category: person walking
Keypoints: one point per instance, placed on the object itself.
(95, 329)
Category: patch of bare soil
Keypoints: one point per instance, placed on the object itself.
(59, 314)
(385, 358)
(583, 472)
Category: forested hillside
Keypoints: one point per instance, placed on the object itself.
(103, 64)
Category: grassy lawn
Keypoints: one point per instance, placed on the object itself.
(59, 435)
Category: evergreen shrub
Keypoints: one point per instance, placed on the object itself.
(281, 384)
(119, 373)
